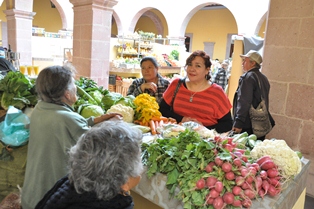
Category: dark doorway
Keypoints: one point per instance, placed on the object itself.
(187, 43)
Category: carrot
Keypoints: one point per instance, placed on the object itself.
(152, 127)
(161, 123)
(156, 118)
(172, 120)
(164, 119)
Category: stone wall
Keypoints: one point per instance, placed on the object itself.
(289, 65)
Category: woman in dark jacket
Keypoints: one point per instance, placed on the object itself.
(104, 165)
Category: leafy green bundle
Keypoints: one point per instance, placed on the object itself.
(17, 90)
(183, 159)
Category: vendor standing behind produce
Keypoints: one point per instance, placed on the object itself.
(198, 99)
(54, 128)
(152, 82)
(104, 165)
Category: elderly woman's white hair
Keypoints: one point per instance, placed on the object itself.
(104, 158)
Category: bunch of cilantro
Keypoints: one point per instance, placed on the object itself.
(17, 90)
(183, 160)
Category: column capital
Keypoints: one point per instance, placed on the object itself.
(14, 13)
(97, 3)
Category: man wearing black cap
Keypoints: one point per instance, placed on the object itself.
(249, 92)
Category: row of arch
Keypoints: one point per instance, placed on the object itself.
(248, 21)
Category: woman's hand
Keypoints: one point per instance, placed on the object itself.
(187, 119)
(236, 130)
(108, 116)
(150, 86)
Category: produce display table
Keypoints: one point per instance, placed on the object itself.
(292, 196)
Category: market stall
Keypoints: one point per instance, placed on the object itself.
(178, 156)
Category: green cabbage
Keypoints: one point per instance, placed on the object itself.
(110, 99)
(92, 110)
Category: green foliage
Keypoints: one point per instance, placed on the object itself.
(183, 160)
(17, 90)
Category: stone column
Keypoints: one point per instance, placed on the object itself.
(91, 38)
(19, 25)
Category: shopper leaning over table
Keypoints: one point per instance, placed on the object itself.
(151, 82)
(54, 128)
(249, 92)
(198, 99)
(104, 165)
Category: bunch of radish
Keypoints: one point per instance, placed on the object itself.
(236, 182)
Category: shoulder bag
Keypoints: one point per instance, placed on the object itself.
(261, 124)
(175, 93)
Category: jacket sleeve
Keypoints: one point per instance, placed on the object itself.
(164, 108)
(224, 124)
(244, 101)
(135, 88)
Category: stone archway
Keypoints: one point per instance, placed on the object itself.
(156, 20)
(65, 10)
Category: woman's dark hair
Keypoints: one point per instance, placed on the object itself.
(52, 82)
(203, 55)
(152, 59)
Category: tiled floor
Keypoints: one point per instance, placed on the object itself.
(309, 202)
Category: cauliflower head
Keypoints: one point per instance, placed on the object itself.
(287, 160)
(126, 111)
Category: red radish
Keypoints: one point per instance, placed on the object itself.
(271, 173)
(246, 185)
(247, 203)
(219, 186)
(226, 167)
(252, 171)
(236, 190)
(239, 180)
(263, 174)
(230, 176)
(218, 203)
(265, 186)
(274, 181)
(261, 193)
(230, 140)
(237, 203)
(258, 182)
(238, 154)
(210, 181)
(209, 168)
(228, 198)
(272, 191)
(228, 147)
(200, 184)
(244, 158)
(242, 151)
(209, 200)
(218, 138)
(237, 162)
(263, 159)
(256, 166)
(249, 193)
(213, 193)
(218, 161)
(249, 179)
(268, 164)
(244, 172)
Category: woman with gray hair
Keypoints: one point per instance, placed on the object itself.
(104, 165)
(54, 128)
